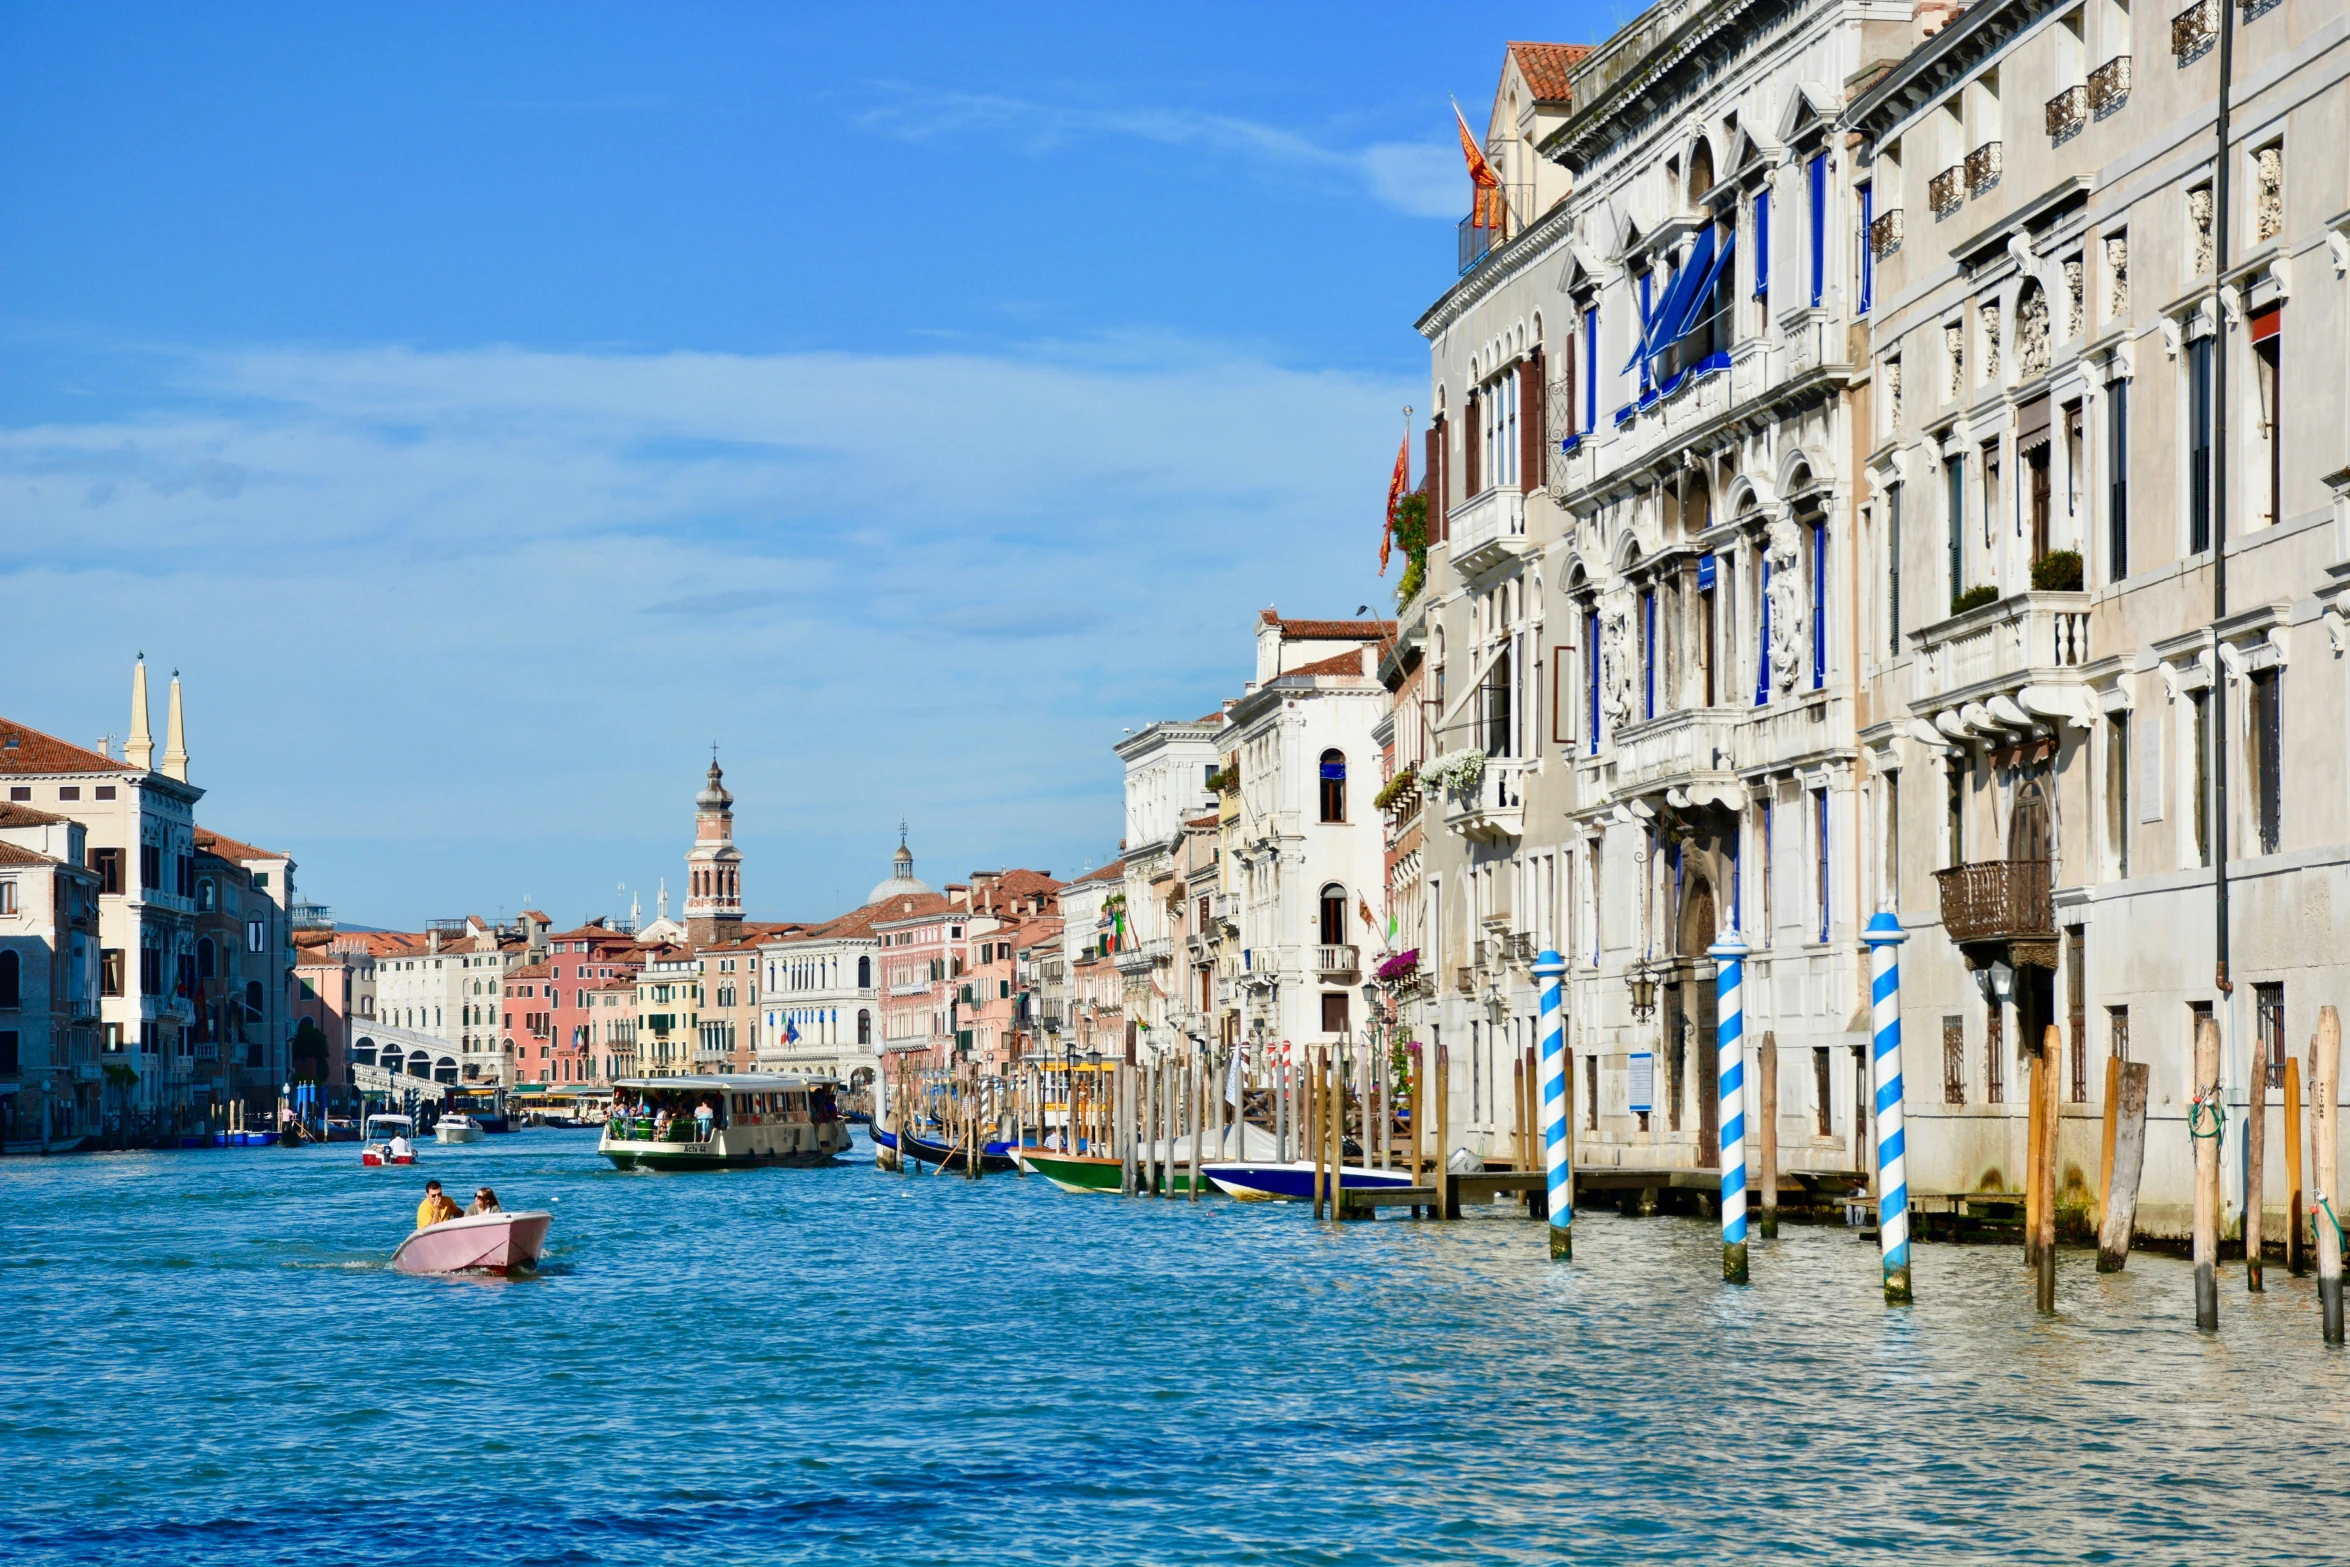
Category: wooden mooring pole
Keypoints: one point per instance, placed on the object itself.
(2204, 1120)
(2113, 1086)
(2255, 1165)
(2051, 1080)
(2325, 1094)
(2296, 1217)
(2034, 1108)
(1768, 1125)
(2120, 1222)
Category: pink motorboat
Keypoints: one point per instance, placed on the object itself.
(477, 1243)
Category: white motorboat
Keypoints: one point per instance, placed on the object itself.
(458, 1128)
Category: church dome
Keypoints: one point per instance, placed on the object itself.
(714, 796)
(902, 882)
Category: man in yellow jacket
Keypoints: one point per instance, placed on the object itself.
(435, 1207)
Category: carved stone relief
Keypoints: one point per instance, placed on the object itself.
(1615, 674)
(2268, 194)
(2075, 321)
(1988, 315)
(1893, 390)
(2117, 275)
(2199, 225)
(1954, 353)
(2031, 331)
(1788, 631)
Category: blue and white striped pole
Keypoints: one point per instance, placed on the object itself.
(1885, 936)
(1549, 968)
(1729, 955)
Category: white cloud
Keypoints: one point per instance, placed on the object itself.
(457, 625)
(1419, 179)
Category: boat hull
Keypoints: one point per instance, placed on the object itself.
(458, 1134)
(481, 1243)
(993, 1157)
(375, 1160)
(792, 1145)
(1093, 1173)
(1294, 1181)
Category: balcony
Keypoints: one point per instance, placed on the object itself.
(2193, 31)
(2005, 666)
(1493, 810)
(2067, 112)
(1885, 233)
(1983, 167)
(1998, 900)
(1946, 191)
(1337, 962)
(1478, 243)
(1695, 742)
(1488, 531)
(2109, 86)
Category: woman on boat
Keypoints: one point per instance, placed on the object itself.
(703, 1117)
(484, 1201)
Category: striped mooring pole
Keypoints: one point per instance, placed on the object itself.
(1885, 936)
(1549, 968)
(1729, 955)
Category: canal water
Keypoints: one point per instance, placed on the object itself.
(206, 1360)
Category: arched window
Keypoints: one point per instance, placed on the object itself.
(206, 896)
(864, 1027)
(1334, 785)
(11, 980)
(207, 959)
(1333, 928)
(864, 973)
(253, 1005)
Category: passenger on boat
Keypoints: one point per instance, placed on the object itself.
(704, 1116)
(404, 1149)
(435, 1208)
(484, 1201)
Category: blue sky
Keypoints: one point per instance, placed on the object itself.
(489, 407)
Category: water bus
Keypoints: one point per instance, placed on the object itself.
(723, 1121)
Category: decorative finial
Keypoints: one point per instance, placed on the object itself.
(901, 829)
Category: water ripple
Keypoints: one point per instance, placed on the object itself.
(210, 1361)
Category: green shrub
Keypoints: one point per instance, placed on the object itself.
(2058, 571)
(1411, 536)
(1974, 598)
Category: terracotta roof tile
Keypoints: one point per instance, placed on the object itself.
(230, 848)
(10, 854)
(24, 749)
(1549, 68)
(26, 816)
(1332, 630)
(1349, 662)
(529, 971)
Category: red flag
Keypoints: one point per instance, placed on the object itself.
(1488, 211)
(1396, 488)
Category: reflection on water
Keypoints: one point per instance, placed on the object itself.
(209, 1359)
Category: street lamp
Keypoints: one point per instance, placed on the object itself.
(1643, 985)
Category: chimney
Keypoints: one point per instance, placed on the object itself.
(175, 736)
(139, 749)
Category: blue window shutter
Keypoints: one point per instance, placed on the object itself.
(1648, 653)
(1868, 253)
(1591, 368)
(1762, 244)
(1819, 226)
(1762, 646)
(1591, 670)
(1819, 605)
(1646, 284)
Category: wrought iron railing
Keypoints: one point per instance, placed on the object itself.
(1982, 168)
(1885, 232)
(2068, 111)
(2109, 86)
(1946, 192)
(1997, 900)
(2193, 31)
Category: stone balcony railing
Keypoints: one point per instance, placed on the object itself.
(1983, 167)
(1675, 748)
(1946, 191)
(2067, 112)
(1337, 961)
(2109, 86)
(2193, 31)
(1495, 810)
(1488, 530)
(1997, 900)
(1885, 233)
(2007, 659)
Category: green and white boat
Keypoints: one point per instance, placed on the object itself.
(1082, 1172)
(659, 1123)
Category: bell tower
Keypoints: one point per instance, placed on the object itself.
(714, 866)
